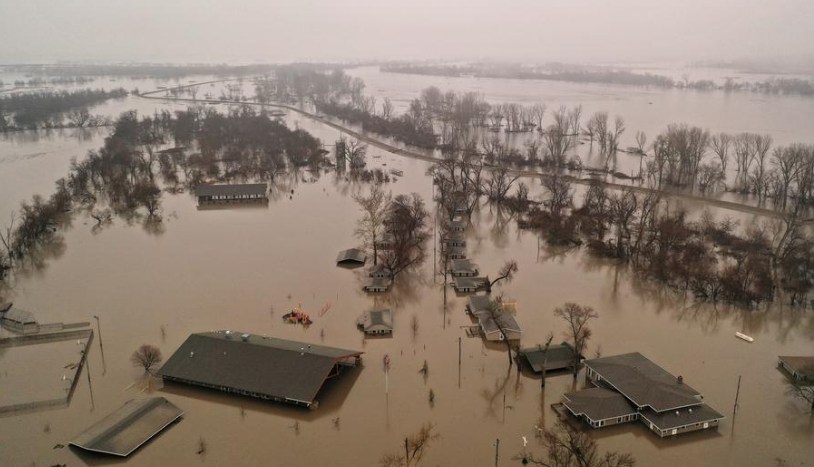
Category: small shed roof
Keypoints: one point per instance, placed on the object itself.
(598, 404)
(132, 425)
(233, 190)
(352, 255)
(801, 365)
(556, 358)
(468, 282)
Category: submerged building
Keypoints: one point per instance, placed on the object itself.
(257, 366)
(238, 193)
(630, 387)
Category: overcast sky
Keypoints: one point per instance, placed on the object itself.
(284, 30)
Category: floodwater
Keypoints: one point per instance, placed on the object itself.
(243, 268)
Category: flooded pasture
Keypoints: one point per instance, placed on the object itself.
(242, 268)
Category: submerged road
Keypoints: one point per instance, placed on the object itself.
(718, 203)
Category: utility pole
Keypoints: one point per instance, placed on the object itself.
(406, 451)
(497, 450)
(737, 394)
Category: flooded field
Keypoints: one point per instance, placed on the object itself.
(242, 268)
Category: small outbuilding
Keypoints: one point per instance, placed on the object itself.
(238, 193)
(557, 357)
(352, 256)
(376, 322)
(477, 304)
(801, 369)
(129, 427)
(454, 252)
(379, 271)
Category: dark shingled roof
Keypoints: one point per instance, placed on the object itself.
(478, 303)
(276, 368)
(378, 318)
(234, 190)
(644, 382)
(802, 365)
(124, 430)
(598, 404)
(352, 255)
(683, 417)
(557, 357)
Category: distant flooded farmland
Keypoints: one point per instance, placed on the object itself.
(242, 268)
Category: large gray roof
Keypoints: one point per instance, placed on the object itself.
(262, 365)
(465, 265)
(478, 303)
(557, 357)
(234, 190)
(644, 382)
(598, 404)
(132, 425)
(379, 318)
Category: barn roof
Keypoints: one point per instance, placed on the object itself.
(234, 190)
(132, 425)
(276, 368)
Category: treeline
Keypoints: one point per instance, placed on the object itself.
(141, 70)
(403, 128)
(123, 174)
(40, 81)
(706, 258)
(794, 86)
(49, 109)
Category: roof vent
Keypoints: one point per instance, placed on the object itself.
(680, 379)
(191, 354)
(690, 410)
(676, 412)
(245, 337)
(228, 334)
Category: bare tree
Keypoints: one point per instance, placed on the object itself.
(569, 447)
(720, 143)
(387, 109)
(415, 446)
(538, 113)
(79, 117)
(499, 184)
(7, 238)
(146, 356)
(560, 195)
(544, 349)
(641, 147)
(370, 228)
(506, 272)
(577, 318)
(407, 223)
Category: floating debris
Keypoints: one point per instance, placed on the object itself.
(743, 336)
(297, 316)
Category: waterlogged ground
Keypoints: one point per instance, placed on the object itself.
(243, 268)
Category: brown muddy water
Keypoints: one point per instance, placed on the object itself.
(243, 268)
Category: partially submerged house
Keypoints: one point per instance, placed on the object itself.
(462, 268)
(129, 427)
(376, 322)
(352, 256)
(801, 369)
(470, 284)
(457, 224)
(454, 240)
(556, 357)
(238, 193)
(257, 366)
(17, 320)
(454, 252)
(379, 271)
(476, 304)
(663, 402)
(377, 285)
(501, 327)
